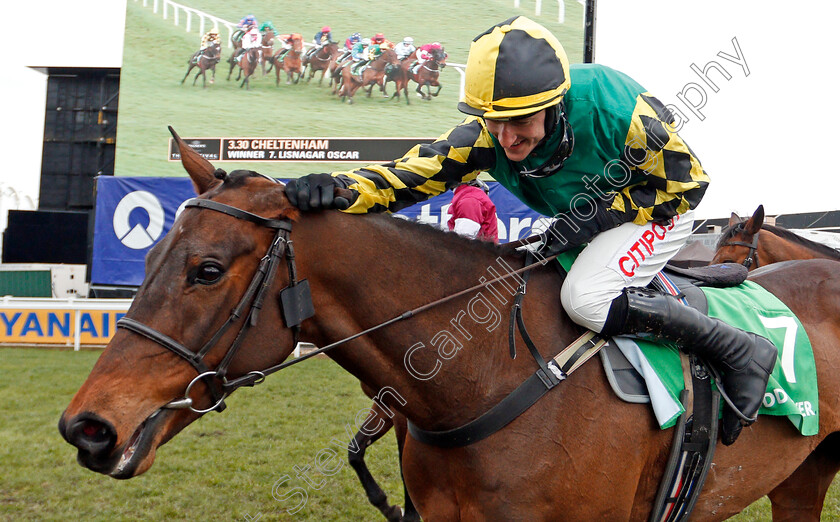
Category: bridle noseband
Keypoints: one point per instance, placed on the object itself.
(752, 256)
(251, 302)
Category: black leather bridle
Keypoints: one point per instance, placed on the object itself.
(295, 297)
(296, 304)
(752, 256)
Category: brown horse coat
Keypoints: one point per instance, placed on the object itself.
(578, 454)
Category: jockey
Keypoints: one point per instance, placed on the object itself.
(359, 51)
(210, 39)
(265, 26)
(322, 38)
(424, 53)
(252, 39)
(352, 40)
(380, 41)
(625, 195)
(405, 48)
(243, 27)
(247, 22)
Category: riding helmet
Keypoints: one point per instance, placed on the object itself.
(515, 68)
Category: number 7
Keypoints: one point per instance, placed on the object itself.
(790, 326)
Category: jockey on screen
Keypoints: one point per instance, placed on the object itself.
(405, 48)
(424, 53)
(322, 38)
(591, 147)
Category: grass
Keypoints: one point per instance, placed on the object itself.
(222, 467)
(157, 51)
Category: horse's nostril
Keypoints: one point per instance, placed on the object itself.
(92, 434)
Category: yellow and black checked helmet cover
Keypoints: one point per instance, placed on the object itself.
(514, 68)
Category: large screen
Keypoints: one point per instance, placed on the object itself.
(161, 37)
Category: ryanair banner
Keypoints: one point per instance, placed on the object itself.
(132, 214)
(21, 323)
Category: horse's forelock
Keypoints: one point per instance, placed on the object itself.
(270, 199)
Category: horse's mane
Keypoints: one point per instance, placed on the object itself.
(783, 233)
(433, 235)
(425, 233)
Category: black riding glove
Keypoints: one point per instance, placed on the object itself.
(316, 192)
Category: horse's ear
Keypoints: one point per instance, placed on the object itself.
(753, 224)
(734, 219)
(199, 169)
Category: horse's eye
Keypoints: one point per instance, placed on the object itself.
(208, 273)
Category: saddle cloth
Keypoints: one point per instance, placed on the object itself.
(641, 370)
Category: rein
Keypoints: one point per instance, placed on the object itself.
(296, 303)
(752, 256)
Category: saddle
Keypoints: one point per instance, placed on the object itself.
(357, 69)
(626, 382)
(695, 434)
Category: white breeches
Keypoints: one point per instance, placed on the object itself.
(628, 255)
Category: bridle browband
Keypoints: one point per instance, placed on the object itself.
(296, 303)
(752, 256)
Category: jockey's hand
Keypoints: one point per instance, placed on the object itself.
(317, 192)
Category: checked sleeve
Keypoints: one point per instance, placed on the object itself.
(674, 180)
(426, 170)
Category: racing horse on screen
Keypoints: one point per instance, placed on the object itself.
(580, 453)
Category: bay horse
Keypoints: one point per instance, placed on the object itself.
(753, 243)
(204, 60)
(247, 63)
(320, 60)
(342, 59)
(399, 74)
(580, 453)
(372, 74)
(428, 74)
(289, 60)
(267, 48)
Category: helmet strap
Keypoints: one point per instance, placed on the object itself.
(555, 121)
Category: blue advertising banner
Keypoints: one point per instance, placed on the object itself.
(132, 214)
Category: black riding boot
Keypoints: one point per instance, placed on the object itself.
(744, 359)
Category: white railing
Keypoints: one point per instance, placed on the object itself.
(561, 15)
(204, 19)
(461, 68)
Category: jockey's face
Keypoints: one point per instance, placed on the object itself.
(520, 136)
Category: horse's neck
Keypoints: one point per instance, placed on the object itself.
(450, 362)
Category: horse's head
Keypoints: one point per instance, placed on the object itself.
(297, 42)
(738, 242)
(214, 51)
(268, 38)
(389, 56)
(146, 385)
(439, 56)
